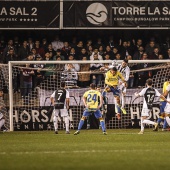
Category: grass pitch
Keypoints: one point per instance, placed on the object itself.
(91, 150)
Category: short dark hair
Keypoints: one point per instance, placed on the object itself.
(114, 68)
(92, 85)
(149, 82)
(126, 61)
(63, 84)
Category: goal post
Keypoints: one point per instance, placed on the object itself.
(48, 85)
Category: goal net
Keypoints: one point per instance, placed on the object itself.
(27, 102)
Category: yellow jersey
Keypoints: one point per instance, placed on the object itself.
(165, 85)
(92, 97)
(113, 80)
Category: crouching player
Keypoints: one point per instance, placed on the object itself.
(92, 106)
(112, 81)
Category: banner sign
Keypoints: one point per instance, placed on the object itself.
(41, 118)
(117, 14)
(25, 14)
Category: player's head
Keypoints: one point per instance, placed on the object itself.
(113, 70)
(124, 63)
(63, 84)
(98, 88)
(149, 82)
(92, 86)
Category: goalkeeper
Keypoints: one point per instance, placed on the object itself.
(112, 81)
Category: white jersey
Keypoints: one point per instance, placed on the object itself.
(149, 94)
(125, 71)
(67, 96)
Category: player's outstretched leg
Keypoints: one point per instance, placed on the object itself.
(80, 125)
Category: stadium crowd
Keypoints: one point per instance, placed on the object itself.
(114, 49)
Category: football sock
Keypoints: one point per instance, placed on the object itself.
(123, 100)
(55, 120)
(67, 123)
(102, 125)
(80, 124)
(142, 125)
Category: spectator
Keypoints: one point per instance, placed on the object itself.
(30, 44)
(167, 55)
(10, 56)
(112, 44)
(44, 44)
(66, 50)
(39, 50)
(50, 49)
(155, 54)
(27, 82)
(73, 53)
(58, 54)
(38, 76)
(57, 44)
(79, 48)
(72, 67)
(138, 54)
(124, 50)
(82, 54)
(73, 44)
(90, 51)
(96, 78)
(23, 51)
(150, 47)
(17, 45)
(109, 52)
(8, 47)
(115, 52)
(143, 75)
(99, 43)
(118, 57)
(84, 78)
(137, 44)
(96, 52)
(101, 51)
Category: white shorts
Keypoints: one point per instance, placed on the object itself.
(167, 108)
(63, 112)
(145, 112)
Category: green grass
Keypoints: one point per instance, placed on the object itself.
(91, 150)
